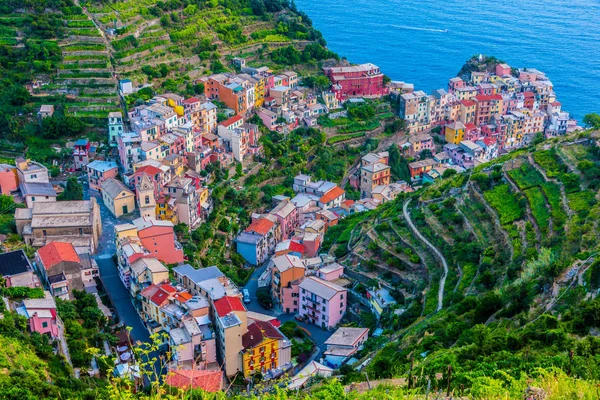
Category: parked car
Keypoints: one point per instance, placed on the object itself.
(246, 295)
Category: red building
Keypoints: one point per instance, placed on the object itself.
(365, 80)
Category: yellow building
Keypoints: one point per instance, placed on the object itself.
(455, 132)
(166, 209)
(262, 347)
(260, 92)
(117, 197)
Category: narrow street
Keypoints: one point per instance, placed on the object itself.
(121, 299)
(118, 294)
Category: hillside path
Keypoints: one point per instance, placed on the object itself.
(434, 249)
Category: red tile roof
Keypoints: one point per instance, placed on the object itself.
(332, 195)
(209, 381)
(348, 202)
(296, 247)
(56, 252)
(262, 226)
(148, 169)
(467, 103)
(257, 332)
(470, 126)
(232, 120)
(191, 100)
(159, 297)
(555, 103)
(482, 97)
(228, 304)
(489, 141)
(183, 297)
(528, 94)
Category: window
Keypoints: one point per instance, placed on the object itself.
(80, 231)
(44, 324)
(32, 198)
(341, 311)
(147, 199)
(44, 232)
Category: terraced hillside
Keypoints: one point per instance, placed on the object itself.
(181, 40)
(520, 238)
(61, 56)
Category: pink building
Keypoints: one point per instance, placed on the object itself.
(487, 106)
(322, 303)
(99, 171)
(158, 237)
(331, 272)
(8, 179)
(455, 83)
(41, 315)
(288, 218)
(472, 133)
(365, 80)
(503, 70)
(268, 117)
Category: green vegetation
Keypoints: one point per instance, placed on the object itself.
(497, 319)
(505, 202)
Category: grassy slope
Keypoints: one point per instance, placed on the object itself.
(509, 306)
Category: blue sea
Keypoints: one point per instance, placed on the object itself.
(426, 42)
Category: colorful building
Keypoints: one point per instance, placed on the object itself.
(322, 303)
(265, 349)
(454, 132)
(231, 324)
(117, 197)
(365, 80)
(258, 241)
(99, 171)
(287, 273)
(41, 315)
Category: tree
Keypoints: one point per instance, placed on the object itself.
(592, 120)
(448, 173)
(217, 67)
(319, 82)
(398, 164)
(73, 190)
(258, 7)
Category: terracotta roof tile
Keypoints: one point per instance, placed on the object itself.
(209, 381)
(232, 120)
(262, 226)
(332, 195)
(228, 304)
(56, 252)
(148, 169)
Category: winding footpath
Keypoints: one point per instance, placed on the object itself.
(434, 249)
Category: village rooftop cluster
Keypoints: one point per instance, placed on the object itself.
(156, 175)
